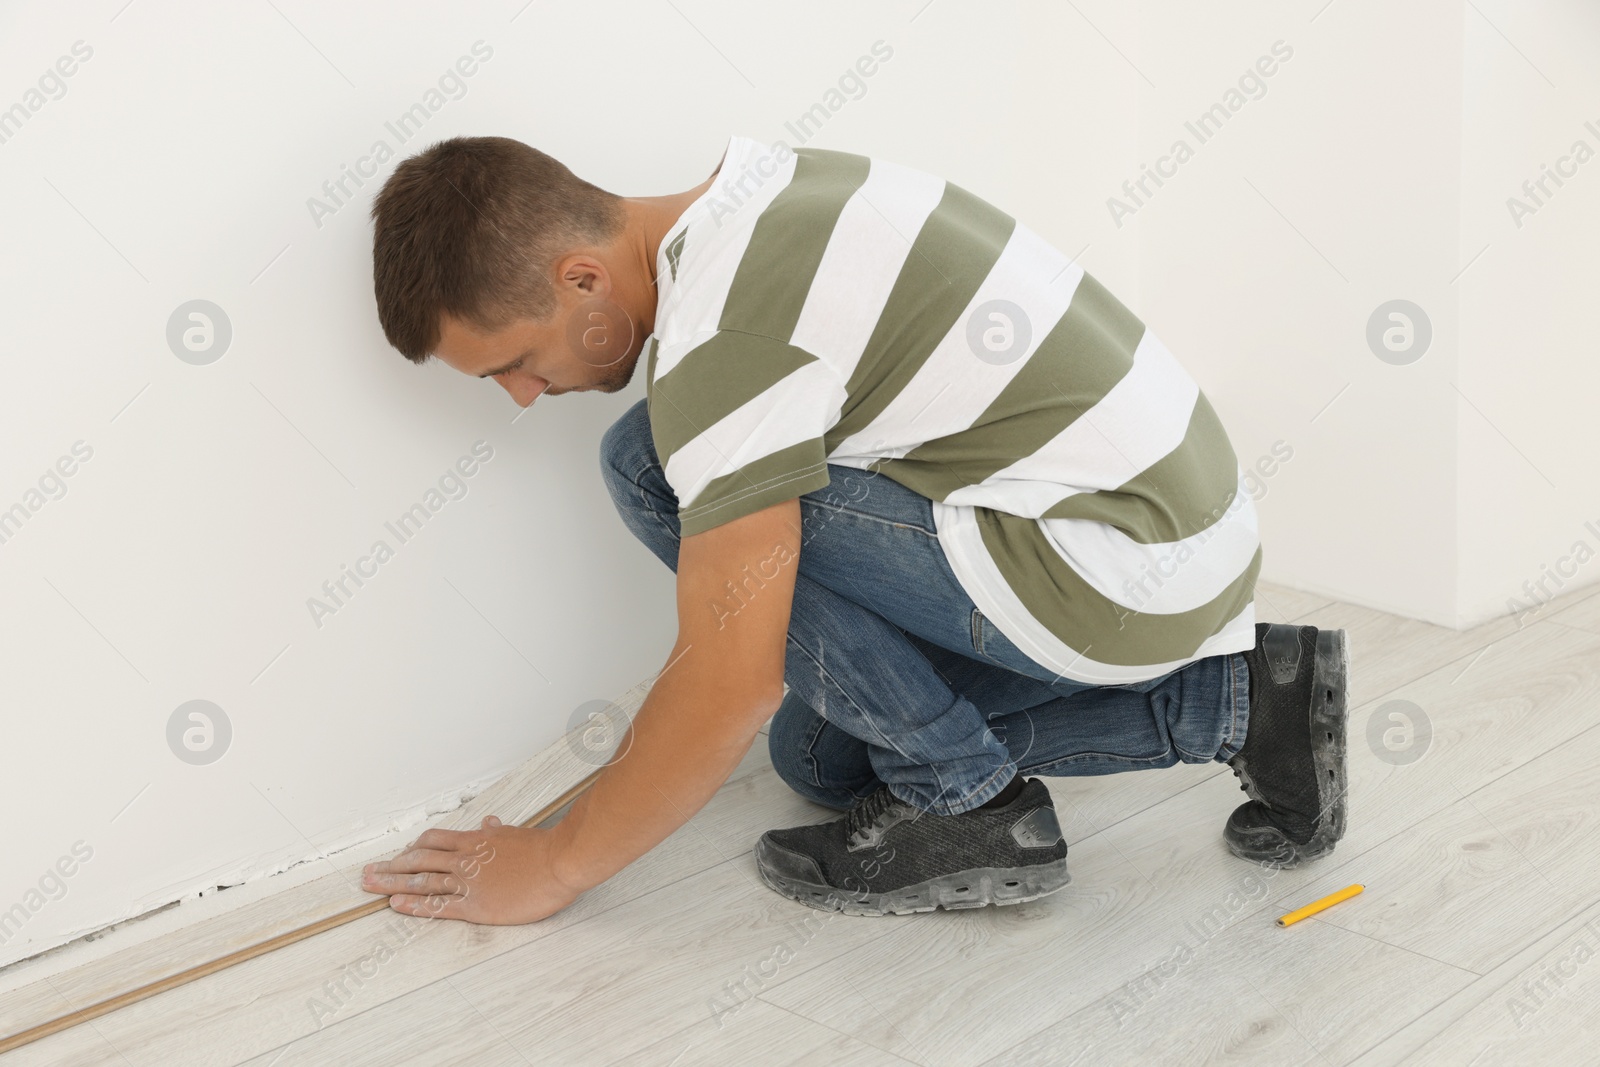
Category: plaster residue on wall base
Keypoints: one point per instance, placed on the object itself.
(166, 900)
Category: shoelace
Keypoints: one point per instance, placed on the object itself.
(861, 817)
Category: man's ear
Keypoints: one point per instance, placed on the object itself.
(583, 272)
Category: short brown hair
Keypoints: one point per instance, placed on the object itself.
(470, 227)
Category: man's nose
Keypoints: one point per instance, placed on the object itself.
(524, 390)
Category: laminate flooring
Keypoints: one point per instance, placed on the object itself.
(1474, 825)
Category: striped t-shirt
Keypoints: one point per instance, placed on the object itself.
(820, 307)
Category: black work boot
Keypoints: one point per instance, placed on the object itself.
(885, 856)
(1292, 764)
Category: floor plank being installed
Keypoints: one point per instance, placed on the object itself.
(1470, 945)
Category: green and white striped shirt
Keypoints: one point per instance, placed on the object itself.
(820, 307)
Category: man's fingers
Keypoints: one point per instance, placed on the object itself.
(458, 840)
(439, 862)
(450, 840)
(434, 906)
(419, 883)
(407, 871)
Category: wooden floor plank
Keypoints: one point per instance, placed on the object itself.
(1539, 1007)
(1521, 697)
(1387, 651)
(432, 1025)
(1495, 870)
(1548, 813)
(760, 1033)
(1253, 994)
(1580, 609)
(689, 953)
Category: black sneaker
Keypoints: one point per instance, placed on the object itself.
(886, 856)
(1292, 764)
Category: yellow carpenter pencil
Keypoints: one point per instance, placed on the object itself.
(1318, 905)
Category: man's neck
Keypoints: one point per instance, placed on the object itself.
(648, 220)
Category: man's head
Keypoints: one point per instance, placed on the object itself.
(501, 262)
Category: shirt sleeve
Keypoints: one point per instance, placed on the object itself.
(738, 421)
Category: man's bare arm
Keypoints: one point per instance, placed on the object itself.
(724, 679)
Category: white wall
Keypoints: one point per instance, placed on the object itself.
(218, 498)
(1529, 510)
(1376, 166)
(1334, 191)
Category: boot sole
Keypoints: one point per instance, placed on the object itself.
(972, 888)
(1271, 847)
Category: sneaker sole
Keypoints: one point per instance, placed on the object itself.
(1268, 845)
(973, 888)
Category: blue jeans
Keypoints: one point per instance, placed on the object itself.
(895, 677)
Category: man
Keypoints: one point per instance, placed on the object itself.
(906, 459)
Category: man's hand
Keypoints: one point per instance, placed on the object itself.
(498, 875)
